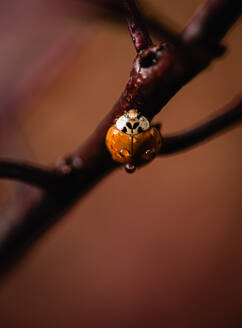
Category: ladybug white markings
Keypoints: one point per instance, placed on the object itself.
(132, 123)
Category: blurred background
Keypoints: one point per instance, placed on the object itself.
(160, 248)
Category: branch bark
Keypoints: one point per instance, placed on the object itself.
(158, 72)
(42, 177)
(137, 29)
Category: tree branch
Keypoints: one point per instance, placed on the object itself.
(158, 72)
(114, 11)
(25, 172)
(137, 29)
(224, 119)
(212, 22)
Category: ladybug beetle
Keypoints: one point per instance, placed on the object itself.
(132, 141)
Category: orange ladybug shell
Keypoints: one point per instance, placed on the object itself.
(138, 149)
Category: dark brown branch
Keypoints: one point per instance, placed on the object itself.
(158, 72)
(136, 26)
(18, 232)
(212, 21)
(30, 174)
(224, 119)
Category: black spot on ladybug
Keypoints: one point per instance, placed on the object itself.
(140, 129)
(124, 129)
(135, 125)
(129, 125)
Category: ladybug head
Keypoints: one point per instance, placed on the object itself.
(133, 114)
(132, 123)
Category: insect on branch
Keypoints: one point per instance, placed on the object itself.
(157, 73)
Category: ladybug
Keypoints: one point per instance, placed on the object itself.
(132, 141)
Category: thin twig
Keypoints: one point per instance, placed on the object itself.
(114, 11)
(137, 29)
(224, 119)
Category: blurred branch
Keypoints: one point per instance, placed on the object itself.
(30, 174)
(212, 22)
(157, 73)
(226, 118)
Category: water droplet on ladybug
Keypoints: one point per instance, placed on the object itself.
(149, 154)
(130, 168)
(124, 153)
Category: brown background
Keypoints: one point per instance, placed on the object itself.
(160, 248)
